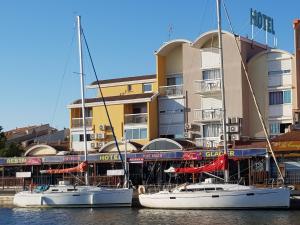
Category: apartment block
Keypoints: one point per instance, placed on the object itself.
(131, 102)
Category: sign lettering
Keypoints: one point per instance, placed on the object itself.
(262, 21)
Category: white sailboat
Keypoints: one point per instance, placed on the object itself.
(66, 195)
(210, 195)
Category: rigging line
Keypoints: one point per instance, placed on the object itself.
(62, 80)
(104, 103)
(253, 94)
(203, 15)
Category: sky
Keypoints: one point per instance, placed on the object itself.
(39, 55)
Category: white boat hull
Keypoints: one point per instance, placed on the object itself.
(224, 199)
(83, 197)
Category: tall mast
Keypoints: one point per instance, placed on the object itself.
(82, 96)
(226, 172)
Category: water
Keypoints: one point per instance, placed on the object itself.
(19, 216)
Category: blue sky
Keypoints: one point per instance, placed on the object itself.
(38, 52)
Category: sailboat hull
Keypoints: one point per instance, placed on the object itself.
(224, 199)
(85, 196)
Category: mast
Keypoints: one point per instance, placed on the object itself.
(82, 96)
(226, 172)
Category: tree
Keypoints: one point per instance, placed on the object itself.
(2, 138)
(8, 149)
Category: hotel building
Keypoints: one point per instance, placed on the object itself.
(183, 99)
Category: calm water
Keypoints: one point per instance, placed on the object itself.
(18, 216)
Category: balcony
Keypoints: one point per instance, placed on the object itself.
(171, 90)
(138, 118)
(207, 115)
(208, 87)
(78, 122)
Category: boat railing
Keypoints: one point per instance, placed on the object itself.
(153, 188)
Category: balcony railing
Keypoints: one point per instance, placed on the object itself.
(172, 90)
(78, 122)
(205, 115)
(138, 118)
(208, 86)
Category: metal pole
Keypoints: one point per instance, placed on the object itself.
(126, 184)
(226, 172)
(82, 95)
(266, 32)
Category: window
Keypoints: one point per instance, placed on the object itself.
(88, 137)
(211, 74)
(88, 112)
(212, 130)
(136, 133)
(279, 72)
(274, 128)
(279, 128)
(174, 80)
(129, 87)
(279, 97)
(75, 137)
(147, 87)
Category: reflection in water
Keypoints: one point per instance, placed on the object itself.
(18, 216)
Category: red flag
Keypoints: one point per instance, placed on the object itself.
(221, 163)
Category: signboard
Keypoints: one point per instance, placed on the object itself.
(286, 145)
(23, 174)
(115, 172)
(33, 161)
(16, 160)
(53, 159)
(109, 157)
(2, 161)
(262, 21)
(149, 156)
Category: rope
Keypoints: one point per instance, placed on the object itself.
(253, 95)
(104, 103)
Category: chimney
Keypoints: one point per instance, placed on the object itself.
(296, 73)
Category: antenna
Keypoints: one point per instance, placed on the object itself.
(170, 31)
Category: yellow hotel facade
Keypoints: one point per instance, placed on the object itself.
(131, 102)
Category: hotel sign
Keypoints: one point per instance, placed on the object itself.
(262, 21)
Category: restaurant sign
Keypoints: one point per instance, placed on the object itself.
(24, 160)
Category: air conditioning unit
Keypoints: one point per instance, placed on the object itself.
(93, 136)
(93, 145)
(234, 128)
(188, 135)
(102, 127)
(101, 144)
(235, 137)
(234, 120)
(187, 126)
(101, 136)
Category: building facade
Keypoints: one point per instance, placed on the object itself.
(184, 98)
(130, 101)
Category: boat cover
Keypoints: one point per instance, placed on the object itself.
(82, 167)
(221, 163)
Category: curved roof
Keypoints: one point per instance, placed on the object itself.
(168, 46)
(40, 149)
(203, 38)
(111, 147)
(166, 144)
(273, 50)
